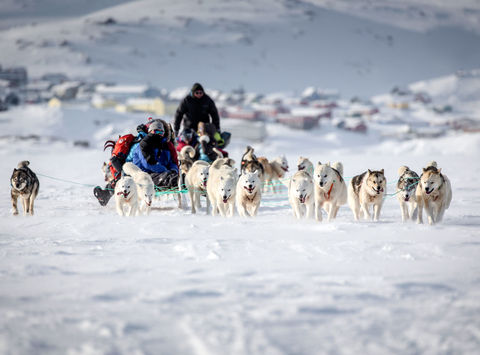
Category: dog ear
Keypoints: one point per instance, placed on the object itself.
(319, 163)
(369, 171)
(382, 171)
(439, 170)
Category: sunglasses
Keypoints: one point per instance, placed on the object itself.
(157, 131)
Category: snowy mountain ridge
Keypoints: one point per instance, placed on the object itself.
(229, 44)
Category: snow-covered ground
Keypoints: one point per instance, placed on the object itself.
(78, 279)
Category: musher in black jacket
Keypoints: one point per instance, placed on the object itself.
(196, 107)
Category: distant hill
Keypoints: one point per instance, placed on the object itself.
(264, 46)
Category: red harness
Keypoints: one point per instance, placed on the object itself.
(327, 196)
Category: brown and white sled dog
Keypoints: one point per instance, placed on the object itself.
(145, 187)
(365, 190)
(305, 164)
(126, 198)
(406, 189)
(196, 183)
(25, 185)
(434, 193)
(248, 194)
(221, 187)
(301, 194)
(273, 171)
(330, 189)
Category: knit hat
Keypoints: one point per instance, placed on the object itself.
(197, 87)
(156, 126)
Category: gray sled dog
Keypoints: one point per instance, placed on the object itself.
(24, 184)
(365, 190)
(330, 189)
(301, 194)
(273, 171)
(196, 183)
(305, 164)
(406, 189)
(126, 198)
(221, 187)
(107, 174)
(145, 187)
(434, 193)
(248, 194)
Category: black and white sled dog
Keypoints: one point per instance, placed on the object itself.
(145, 187)
(250, 163)
(221, 187)
(196, 182)
(330, 189)
(301, 194)
(126, 198)
(406, 189)
(24, 184)
(364, 190)
(434, 193)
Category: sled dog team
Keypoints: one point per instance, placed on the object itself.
(310, 190)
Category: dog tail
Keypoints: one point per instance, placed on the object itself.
(402, 170)
(432, 163)
(23, 164)
(187, 150)
(130, 169)
(338, 167)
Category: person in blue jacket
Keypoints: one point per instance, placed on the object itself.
(153, 155)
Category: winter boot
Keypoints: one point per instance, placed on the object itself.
(103, 196)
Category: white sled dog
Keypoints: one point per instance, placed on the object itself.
(406, 189)
(25, 184)
(145, 187)
(305, 164)
(434, 193)
(301, 194)
(330, 189)
(196, 183)
(365, 190)
(221, 187)
(185, 162)
(126, 198)
(273, 171)
(248, 194)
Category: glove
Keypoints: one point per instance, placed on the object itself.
(142, 128)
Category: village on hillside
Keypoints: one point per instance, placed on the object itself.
(402, 113)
